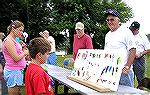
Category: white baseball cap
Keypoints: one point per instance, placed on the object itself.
(45, 31)
(79, 25)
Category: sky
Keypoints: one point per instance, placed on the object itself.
(141, 12)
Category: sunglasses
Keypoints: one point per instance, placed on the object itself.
(111, 20)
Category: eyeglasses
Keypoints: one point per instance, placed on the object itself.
(111, 20)
(78, 29)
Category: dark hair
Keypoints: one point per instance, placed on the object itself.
(37, 45)
(14, 24)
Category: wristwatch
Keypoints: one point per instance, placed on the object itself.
(127, 67)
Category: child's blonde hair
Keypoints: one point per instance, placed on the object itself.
(14, 24)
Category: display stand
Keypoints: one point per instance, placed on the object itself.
(98, 69)
(89, 84)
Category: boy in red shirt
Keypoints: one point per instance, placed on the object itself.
(37, 81)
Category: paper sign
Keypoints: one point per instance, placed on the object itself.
(99, 67)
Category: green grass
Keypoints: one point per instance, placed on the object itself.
(60, 60)
(147, 70)
(147, 58)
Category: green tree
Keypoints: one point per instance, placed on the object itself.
(65, 13)
(11, 10)
(61, 15)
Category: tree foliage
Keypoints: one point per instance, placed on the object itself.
(10, 10)
(91, 13)
(61, 15)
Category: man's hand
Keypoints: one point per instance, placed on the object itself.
(126, 69)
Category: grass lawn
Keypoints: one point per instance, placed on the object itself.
(147, 65)
(60, 60)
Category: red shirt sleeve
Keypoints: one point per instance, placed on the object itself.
(89, 44)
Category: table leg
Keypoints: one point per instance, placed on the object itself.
(66, 90)
(56, 87)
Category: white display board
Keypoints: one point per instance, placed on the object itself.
(99, 67)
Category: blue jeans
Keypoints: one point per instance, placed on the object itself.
(52, 59)
(127, 79)
(139, 68)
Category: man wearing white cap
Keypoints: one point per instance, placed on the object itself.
(81, 40)
(52, 55)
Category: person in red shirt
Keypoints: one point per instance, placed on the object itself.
(81, 40)
(37, 81)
